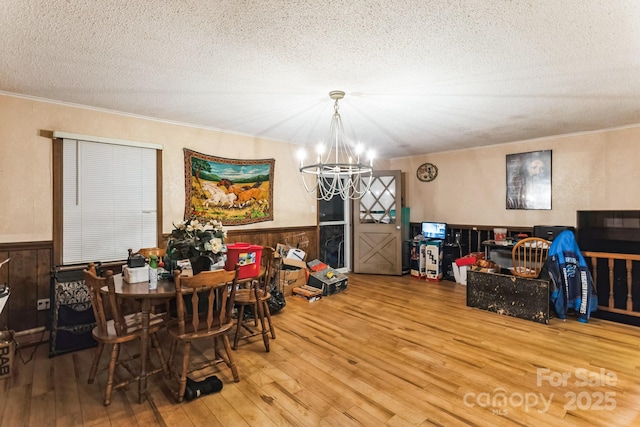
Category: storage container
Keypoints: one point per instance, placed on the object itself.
(135, 275)
(247, 255)
(500, 234)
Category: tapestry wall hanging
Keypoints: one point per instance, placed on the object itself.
(529, 180)
(232, 191)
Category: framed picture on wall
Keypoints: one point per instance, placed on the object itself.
(529, 180)
(232, 191)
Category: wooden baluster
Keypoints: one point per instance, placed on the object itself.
(594, 271)
(629, 297)
(611, 260)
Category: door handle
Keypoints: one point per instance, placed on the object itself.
(398, 227)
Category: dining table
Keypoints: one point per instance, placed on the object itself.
(147, 298)
(139, 291)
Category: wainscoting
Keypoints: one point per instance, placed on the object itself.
(472, 236)
(28, 274)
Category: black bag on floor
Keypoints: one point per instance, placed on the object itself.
(275, 303)
(200, 388)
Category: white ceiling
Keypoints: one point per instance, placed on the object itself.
(420, 76)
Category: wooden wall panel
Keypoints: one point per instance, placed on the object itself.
(43, 285)
(28, 272)
(271, 237)
(23, 280)
(28, 277)
(4, 279)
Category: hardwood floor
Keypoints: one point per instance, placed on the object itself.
(387, 351)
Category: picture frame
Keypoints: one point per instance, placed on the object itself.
(232, 191)
(529, 180)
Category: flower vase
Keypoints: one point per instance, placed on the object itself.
(202, 263)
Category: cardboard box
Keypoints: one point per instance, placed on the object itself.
(297, 254)
(286, 251)
(307, 293)
(433, 260)
(334, 284)
(135, 275)
(288, 262)
(297, 258)
(290, 279)
(287, 290)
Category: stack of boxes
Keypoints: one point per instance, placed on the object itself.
(426, 260)
(293, 269)
(307, 283)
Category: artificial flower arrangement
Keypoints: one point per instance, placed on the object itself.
(192, 239)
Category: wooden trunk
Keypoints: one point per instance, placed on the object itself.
(510, 295)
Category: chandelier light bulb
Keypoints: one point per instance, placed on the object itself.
(302, 153)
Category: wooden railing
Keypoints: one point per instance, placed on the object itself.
(608, 263)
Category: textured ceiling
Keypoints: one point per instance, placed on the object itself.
(420, 76)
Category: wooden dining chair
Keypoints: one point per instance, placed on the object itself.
(116, 330)
(528, 256)
(256, 295)
(146, 252)
(219, 288)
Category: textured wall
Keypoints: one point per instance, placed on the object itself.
(25, 163)
(591, 171)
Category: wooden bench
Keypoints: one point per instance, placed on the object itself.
(509, 295)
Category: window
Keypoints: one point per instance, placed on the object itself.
(108, 193)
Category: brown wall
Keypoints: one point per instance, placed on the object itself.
(28, 272)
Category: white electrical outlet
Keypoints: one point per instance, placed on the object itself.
(44, 304)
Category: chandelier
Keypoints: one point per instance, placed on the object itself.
(338, 170)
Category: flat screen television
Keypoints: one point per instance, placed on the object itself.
(434, 230)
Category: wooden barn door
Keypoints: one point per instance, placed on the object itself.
(377, 228)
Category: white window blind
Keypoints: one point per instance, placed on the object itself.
(109, 200)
